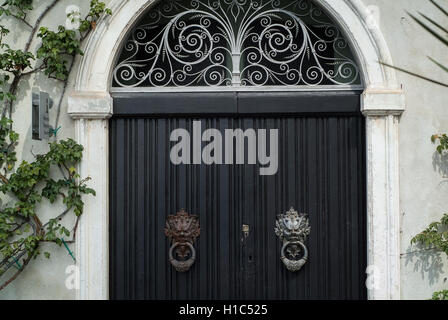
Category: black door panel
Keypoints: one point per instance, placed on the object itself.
(321, 171)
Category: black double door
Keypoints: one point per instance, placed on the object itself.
(321, 172)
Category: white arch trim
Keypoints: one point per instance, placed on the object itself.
(382, 103)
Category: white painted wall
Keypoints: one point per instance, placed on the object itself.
(423, 189)
(422, 185)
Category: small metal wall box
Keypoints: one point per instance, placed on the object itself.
(41, 104)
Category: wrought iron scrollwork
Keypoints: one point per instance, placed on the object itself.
(182, 229)
(235, 43)
(293, 228)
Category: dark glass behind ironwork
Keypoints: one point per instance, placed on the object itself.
(181, 43)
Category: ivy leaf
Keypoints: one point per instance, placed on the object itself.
(33, 181)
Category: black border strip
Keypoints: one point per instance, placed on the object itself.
(236, 103)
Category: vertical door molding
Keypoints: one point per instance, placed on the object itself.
(382, 110)
(91, 111)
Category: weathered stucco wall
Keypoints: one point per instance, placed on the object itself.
(422, 185)
(423, 189)
(43, 278)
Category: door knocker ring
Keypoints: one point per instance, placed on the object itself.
(182, 229)
(293, 228)
(294, 265)
(182, 266)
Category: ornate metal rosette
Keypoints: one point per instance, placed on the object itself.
(235, 43)
(182, 229)
(293, 228)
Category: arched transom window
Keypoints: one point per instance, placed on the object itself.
(235, 43)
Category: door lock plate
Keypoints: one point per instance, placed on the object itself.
(182, 229)
(245, 230)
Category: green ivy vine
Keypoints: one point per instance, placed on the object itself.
(24, 186)
(435, 236)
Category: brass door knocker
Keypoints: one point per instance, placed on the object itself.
(293, 228)
(182, 229)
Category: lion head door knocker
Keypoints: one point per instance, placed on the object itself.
(182, 229)
(293, 228)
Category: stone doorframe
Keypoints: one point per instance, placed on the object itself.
(90, 105)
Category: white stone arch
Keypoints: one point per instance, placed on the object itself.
(90, 105)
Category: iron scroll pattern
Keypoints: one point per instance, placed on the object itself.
(182, 229)
(293, 228)
(181, 43)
